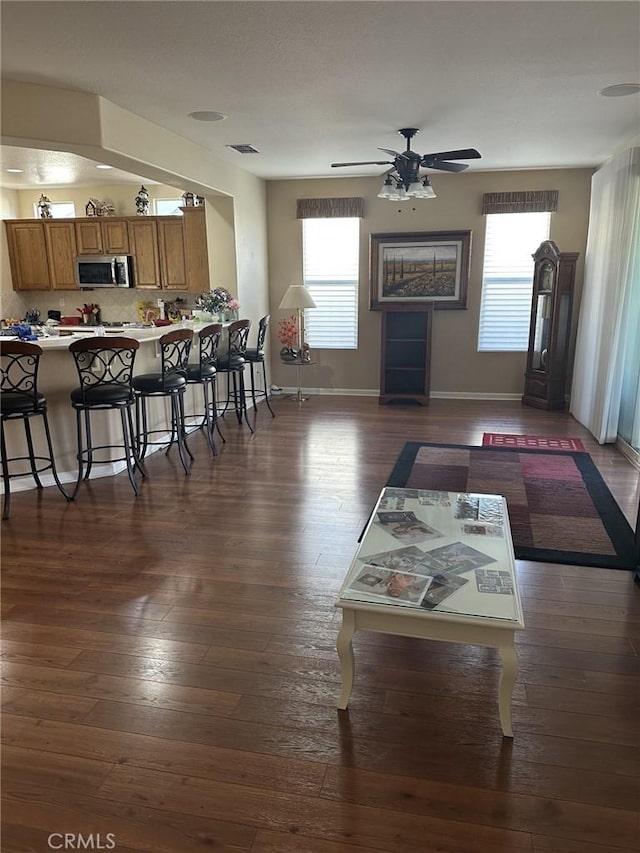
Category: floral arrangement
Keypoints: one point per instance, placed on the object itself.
(288, 332)
(216, 300)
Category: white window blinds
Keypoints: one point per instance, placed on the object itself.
(507, 279)
(331, 257)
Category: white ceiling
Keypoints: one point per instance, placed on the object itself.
(311, 83)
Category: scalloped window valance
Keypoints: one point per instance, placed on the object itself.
(529, 201)
(329, 208)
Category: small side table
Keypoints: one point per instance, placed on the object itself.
(299, 364)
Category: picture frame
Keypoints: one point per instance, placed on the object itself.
(418, 268)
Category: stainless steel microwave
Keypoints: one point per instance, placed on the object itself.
(104, 271)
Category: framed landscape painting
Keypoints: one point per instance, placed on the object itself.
(419, 268)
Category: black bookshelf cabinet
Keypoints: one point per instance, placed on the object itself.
(405, 362)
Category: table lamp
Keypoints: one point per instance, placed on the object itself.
(298, 298)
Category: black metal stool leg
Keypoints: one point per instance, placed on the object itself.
(175, 416)
(87, 429)
(253, 387)
(80, 453)
(54, 470)
(208, 420)
(5, 475)
(32, 458)
(214, 409)
(182, 430)
(133, 444)
(243, 400)
(127, 449)
(266, 389)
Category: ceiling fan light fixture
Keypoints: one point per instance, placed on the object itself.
(387, 190)
(415, 189)
(427, 191)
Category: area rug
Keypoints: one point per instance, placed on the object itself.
(560, 508)
(531, 442)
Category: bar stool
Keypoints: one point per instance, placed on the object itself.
(20, 400)
(105, 368)
(204, 373)
(171, 382)
(255, 355)
(232, 365)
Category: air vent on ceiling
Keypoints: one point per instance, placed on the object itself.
(244, 149)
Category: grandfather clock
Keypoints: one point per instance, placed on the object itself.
(550, 327)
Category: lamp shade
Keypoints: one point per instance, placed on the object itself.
(297, 296)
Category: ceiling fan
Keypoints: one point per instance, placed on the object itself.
(403, 180)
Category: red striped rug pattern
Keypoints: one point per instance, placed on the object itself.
(532, 442)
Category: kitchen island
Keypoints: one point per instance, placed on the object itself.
(57, 377)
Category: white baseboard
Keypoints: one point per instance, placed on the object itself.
(375, 392)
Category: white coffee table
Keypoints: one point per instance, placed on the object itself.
(461, 541)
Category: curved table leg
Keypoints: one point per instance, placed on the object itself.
(507, 681)
(344, 646)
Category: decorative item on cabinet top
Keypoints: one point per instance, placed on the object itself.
(188, 199)
(44, 207)
(95, 207)
(142, 201)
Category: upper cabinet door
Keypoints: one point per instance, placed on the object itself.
(89, 237)
(115, 236)
(173, 264)
(28, 255)
(143, 238)
(62, 249)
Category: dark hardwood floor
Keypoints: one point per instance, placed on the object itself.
(170, 673)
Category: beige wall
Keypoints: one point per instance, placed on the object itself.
(457, 368)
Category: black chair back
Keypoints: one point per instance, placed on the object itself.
(263, 325)
(209, 343)
(174, 351)
(19, 365)
(104, 364)
(238, 336)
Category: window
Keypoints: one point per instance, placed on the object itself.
(167, 206)
(59, 210)
(507, 279)
(331, 256)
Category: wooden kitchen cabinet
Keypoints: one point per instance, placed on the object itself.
(196, 253)
(60, 237)
(28, 255)
(103, 236)
(143, 240)
(171, 245)
(169, 252)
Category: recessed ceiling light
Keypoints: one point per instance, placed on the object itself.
(14, 171)
(620, 90)
(103, 166)
(207, 115)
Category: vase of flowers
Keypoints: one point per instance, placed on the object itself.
(288, 337)
(218, 303)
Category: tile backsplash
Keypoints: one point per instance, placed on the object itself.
(114, 304)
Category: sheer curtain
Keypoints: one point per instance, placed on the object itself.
(609, 322)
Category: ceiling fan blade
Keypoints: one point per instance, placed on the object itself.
(447, 167)
(392, 153)
(461, 154)
(366, 163)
